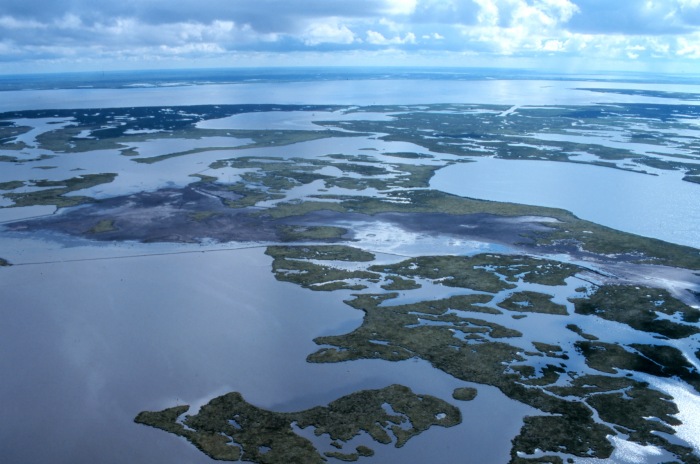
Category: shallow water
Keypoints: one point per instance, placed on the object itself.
(662, 207)
(106, 339)
(177, 171)
(39, 126)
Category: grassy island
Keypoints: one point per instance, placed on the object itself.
(229, 428)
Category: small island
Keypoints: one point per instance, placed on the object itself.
(229, 428)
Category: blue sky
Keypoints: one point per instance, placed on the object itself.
(563, 35)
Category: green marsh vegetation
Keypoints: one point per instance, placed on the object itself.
(23, 159)
(640, 307)
(105, 225)
(231, 429)
(449, 334)
(54, 192)
(279, 174)
(529, 301)
(301, 233)
(464, 393)
(11, 185)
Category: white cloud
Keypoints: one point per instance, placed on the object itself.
(688, 47)
(564, 9)
(489, 12)
(540, 13)
(187, 49)
(433, 36)
(658, 48)
(70, 21)
(328, 31)
(390, 25)
(376, 38)
(12, 23)
(401, 7)
(404, 29)
(553, 46)
(510, 27)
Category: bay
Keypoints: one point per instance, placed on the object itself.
(662, 206)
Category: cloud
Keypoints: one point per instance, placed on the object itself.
(401, 7)
(328, 31)
(262, 15)
(524, 13)
(689, 48)
(445, 12)
(146, 31)
(511, 27)
(375, 38)
(637, 17)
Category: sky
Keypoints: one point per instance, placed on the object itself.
(560, 35)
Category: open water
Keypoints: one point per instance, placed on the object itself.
(87, 343)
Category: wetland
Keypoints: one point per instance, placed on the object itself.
(326, 282)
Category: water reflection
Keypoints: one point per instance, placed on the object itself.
(103, 340)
